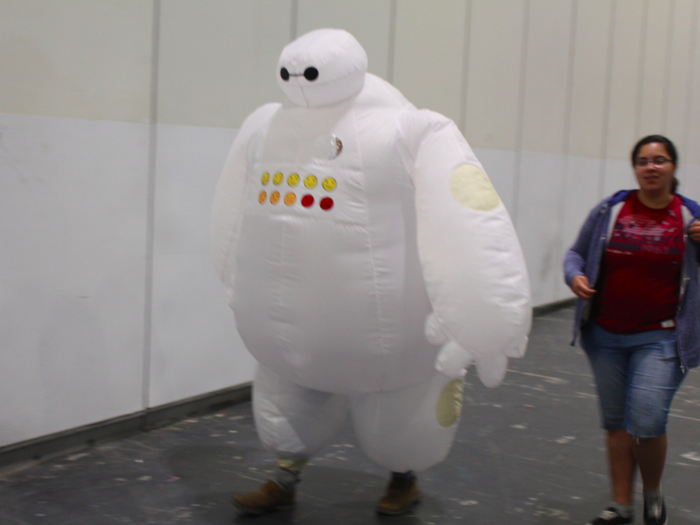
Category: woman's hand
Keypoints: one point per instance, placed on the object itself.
(581, 287)
(694, 231)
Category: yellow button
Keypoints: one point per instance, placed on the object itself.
(274, 197)
(329, 184)
(310, 181)
(290, 199)
(293, 180)
(265, 178)
(277, 179)
(262, 197)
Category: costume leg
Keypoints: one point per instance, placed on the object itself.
(292, 421)
(412, 428)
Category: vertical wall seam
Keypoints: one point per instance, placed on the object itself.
(392, 42)
(566, 164)
(521, 114)
(570, 78)
(606, 101)
(465, 67)
(293, 20)
(150, 208)
(642, 69)
(691, 80)
(667, 72)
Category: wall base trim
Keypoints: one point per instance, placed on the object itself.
(553, 307)
(66, 441)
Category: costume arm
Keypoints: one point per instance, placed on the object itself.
(229, 197)
(472, 262)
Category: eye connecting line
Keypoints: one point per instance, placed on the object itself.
(310, 74)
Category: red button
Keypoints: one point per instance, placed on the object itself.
(307, 201)
(326, 203)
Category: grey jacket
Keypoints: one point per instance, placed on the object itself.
(584, 258)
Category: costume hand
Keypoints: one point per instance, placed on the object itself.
(581, 287)
(453, 360)
(492, 369)
(694, 231)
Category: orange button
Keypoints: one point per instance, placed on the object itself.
(262, 197)
(290, 199)
(274, 197)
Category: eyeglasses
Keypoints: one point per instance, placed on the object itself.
(659, 162)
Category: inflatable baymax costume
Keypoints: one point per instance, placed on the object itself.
(368, 261)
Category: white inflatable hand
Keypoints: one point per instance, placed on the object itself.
(453, 360)
(491, 369)
(519, 351)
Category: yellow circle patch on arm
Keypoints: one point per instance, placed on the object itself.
(449, 405)
(472, 188)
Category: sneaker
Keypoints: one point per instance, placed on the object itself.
(269, 497)
(610, 517)
(401, 494)
(655, 513)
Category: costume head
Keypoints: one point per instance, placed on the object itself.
(322, 67)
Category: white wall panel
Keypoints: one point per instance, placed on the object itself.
(624, 83)
(655, 68)
(218, 59)
(542, 169)
(429, 53)
(538, 224)
(580, 195)
(679, 72)
(367, 20)
(690, 181)
(690, 151)
(589, 89)
(195, 346)
(619, 175)
(72, 272)
(76, 58)
(493, 81)
(546, 76)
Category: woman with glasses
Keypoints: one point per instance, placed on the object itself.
(636, 279)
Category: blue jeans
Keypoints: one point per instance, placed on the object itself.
(636, 376)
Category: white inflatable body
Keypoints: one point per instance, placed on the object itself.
(368, 261)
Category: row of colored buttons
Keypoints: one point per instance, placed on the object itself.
(290, 198)
(328, 184)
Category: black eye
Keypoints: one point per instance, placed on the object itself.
(311, 74)
(284, 74)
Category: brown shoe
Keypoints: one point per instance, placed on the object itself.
(269, 497)
(400, 496)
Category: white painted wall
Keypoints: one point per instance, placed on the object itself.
(109, 153)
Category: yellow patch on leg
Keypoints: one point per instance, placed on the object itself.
(449, 404)
(291, 464)
(472, 188)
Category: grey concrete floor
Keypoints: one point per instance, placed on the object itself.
(530, 451)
